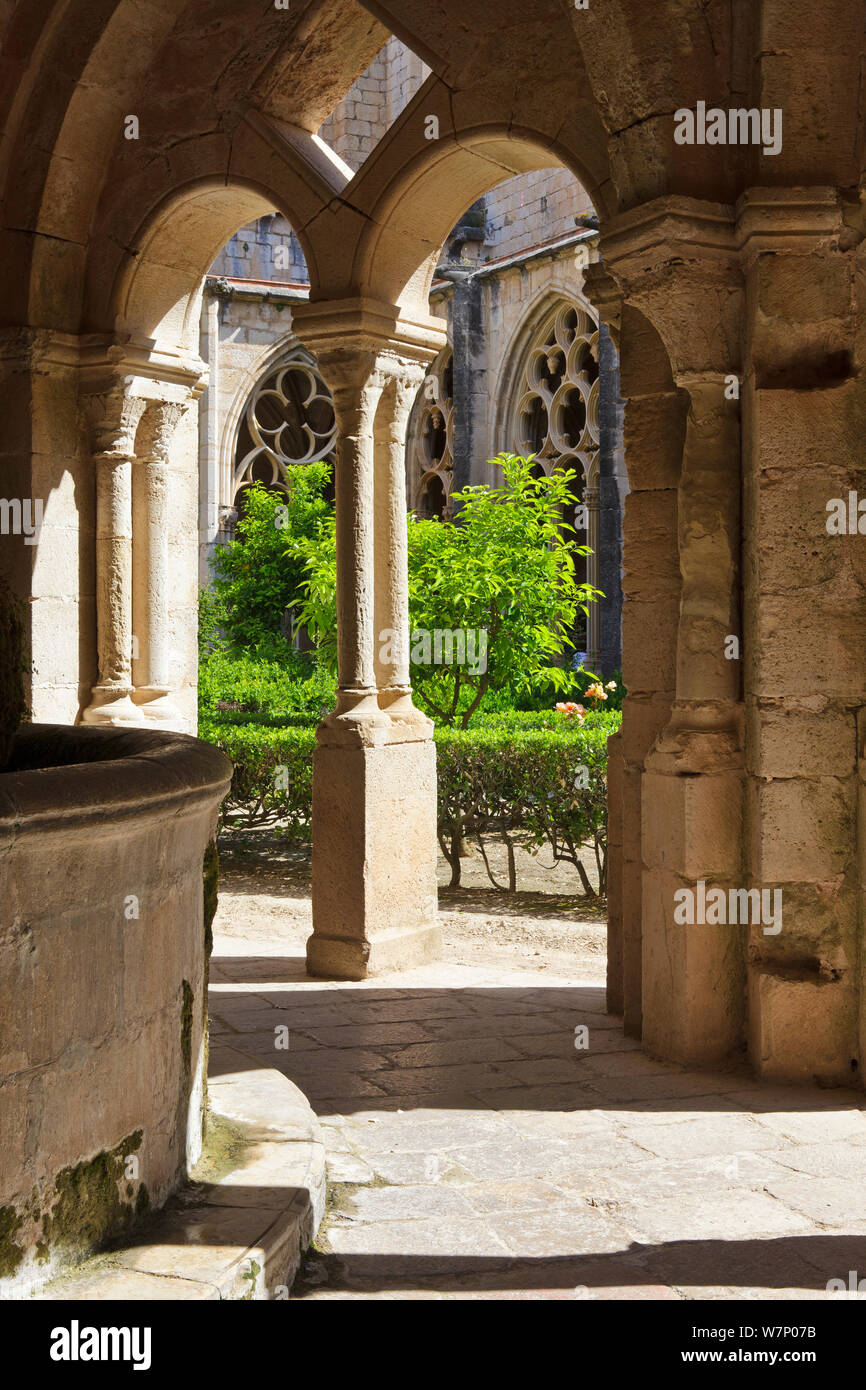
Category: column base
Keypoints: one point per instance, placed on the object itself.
(157, 707)
(693, 970)
(112, 705)
(346, 958)
(374, 853)
(398, 704)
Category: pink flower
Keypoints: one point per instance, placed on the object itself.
(570, 709)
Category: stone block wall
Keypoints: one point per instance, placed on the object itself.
(533, 208)
(266, 249)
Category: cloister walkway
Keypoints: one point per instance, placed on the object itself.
(475, 1152)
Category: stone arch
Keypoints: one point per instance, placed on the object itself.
(156, 298)
(281, 350)
(537, 310)
(413, 214)
(547, 368)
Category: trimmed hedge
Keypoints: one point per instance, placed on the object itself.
(251, 684)
(533, 780)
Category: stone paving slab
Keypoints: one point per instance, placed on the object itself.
(475, 1153)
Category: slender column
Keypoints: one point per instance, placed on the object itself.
(115, 419)
(593, 630)
(152, 578)
(356, 385)
(391, 546)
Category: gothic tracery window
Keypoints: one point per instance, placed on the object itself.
(287, 420)
(431, 442)
(556, 418)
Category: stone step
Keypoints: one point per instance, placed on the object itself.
(240, 1229)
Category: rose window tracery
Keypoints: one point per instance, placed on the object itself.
(431, 447)
(556, 418)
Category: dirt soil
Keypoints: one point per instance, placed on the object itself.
(547, 923)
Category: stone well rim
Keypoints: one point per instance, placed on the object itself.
(62, 777)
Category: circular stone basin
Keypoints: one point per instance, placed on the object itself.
(104, 836)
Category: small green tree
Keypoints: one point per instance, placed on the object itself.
(258, 577)
(493, 598)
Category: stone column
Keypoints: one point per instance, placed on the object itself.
(677, 265)
(610, 469)
(692, 794)
(391, 605)
(150, 553)
(115, 417)
(803, 405)
(374, 778)
(356, 384)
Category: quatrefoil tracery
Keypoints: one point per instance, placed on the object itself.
(288, 420)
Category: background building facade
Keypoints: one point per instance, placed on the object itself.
(527, 368)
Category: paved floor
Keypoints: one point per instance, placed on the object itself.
(476, 1152)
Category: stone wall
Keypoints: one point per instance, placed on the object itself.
(266, 249)
(242, 330)
(533, 208)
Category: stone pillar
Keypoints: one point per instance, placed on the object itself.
(593, 622)
(677, 266)
(803, 405)
(374, 778)
(692, 802)
(610, 467)
(356, 384)
(150, 555)
(115, 417)
(469, 342)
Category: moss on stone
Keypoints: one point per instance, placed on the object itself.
(186, 1026)
(223, 1150)
(252, 1274)
(211, 878)
(11, 1253)
(88, 1206)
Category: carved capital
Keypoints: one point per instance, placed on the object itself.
(160, 420)
(113, 417)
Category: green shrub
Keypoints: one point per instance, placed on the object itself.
(503, 576)
(247, 684)
(536, 786)
(273, 776)
(530, 780)
(257, 577)
(608, 720)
